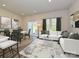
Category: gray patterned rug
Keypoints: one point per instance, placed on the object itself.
(42, 49)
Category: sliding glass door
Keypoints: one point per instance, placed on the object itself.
(30, 26)
(33, 27)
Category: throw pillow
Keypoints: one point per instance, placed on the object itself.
(74, 36)
(65, 34)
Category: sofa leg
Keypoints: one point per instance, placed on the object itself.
(64, 52)
(58, 43)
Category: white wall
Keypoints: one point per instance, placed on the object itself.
(65, 25)
(8, 14)
(74, 8)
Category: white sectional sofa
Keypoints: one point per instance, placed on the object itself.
(70, 45)
(53, 35)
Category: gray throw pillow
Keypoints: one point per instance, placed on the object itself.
(65, 34)
(74, 36)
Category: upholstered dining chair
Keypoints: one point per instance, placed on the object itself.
(16, 35)
(7, 33)
(28, 34)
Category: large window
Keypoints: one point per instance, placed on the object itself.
(51, 24)
(6, 22)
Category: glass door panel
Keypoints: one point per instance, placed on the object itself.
(30, 26)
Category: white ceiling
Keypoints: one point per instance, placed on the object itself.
(31, 7)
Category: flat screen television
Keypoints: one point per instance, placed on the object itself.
(77, 24)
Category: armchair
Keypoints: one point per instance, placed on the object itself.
(70, 45)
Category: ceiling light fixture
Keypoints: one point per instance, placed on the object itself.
(3, 5)
(50, 0)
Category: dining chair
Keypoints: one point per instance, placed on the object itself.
(16, 35)
(28, 34)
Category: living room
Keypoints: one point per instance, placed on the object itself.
(30, 15)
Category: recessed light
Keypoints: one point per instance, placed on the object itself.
(3, 5)
(50, 0)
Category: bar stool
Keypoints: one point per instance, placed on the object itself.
(8, 44)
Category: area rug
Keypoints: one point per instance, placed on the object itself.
(42, 49)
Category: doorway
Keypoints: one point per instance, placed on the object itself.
(33, 26)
